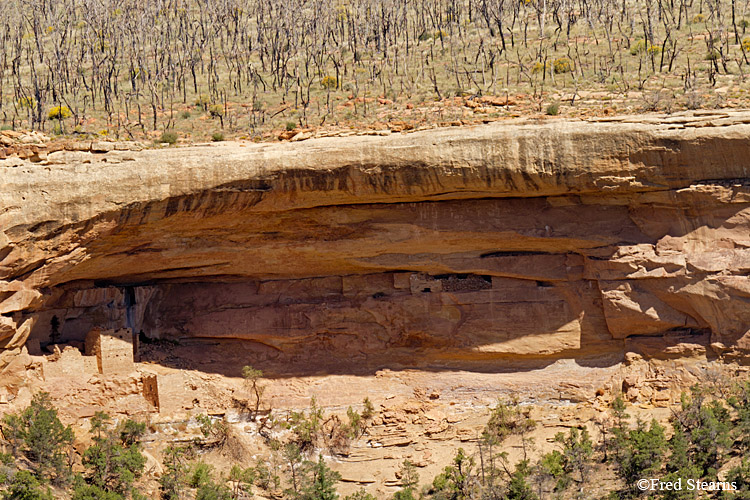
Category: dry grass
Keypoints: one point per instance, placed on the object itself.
(419, 65)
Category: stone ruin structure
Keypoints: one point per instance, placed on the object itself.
(115, 350)
(540, 241)
(107, 352)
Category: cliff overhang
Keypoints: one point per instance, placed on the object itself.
(551, 239)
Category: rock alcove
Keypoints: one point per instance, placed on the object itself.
(485, 245)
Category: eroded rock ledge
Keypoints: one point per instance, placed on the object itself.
(558, 238)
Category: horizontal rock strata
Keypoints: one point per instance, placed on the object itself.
(558, 238)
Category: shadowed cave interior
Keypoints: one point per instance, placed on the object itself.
(488, 285)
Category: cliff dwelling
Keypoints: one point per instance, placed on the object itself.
(374, 250)
(503, 246)
(433, 273)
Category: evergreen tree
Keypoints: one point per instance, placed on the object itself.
(409, 481)
(680, 466)
(213, 491)
(200, 475)
(457, 481)
(740, 476)
(112, 465)
(741, 403)
(321, 484)
(552, 467)
(131, 431)
(84, 491)
(642, 453)
(307, 427)
(620, 430)
(172, 481)
(506, 419)
(293, 456)
(707, 426)
(518, 487)
(241, 479)
(360, 494)
(577, 451)
(38, 433)
(26, 487)
(252, 378)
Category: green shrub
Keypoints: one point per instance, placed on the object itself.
(172, 481)
(213, 491)
(740, 402)
(518, 487)
(403, 494)
(26, 487)
(168, 137)
(185, 115)
(216, 432)
(507, 418)
(562, 65)
(217, 137)
(740, 475)
(640, 452)
(329, 82)
(577, 451)
(409, 481)
(202, 102)
(290, 126)
(356, 425)
(456, 479)
(639, 47)
(201, 474)
(38, 434)
(83, 491)
(553, 465)
(369, 411)
(264, 478)
(707, 426)
(320, 484)
(242, 479)
(307, 427)
(553, 109)
(131, 431)
(360, 494)
(112, 464)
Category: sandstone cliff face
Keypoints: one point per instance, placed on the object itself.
(554, 239)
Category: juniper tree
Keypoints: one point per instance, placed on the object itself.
(38, 433)
(577, 451)
(112, 463)
(321, 482)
